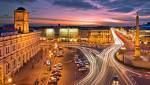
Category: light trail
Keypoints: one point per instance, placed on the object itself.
(117, 40)
(90, 76)
(104, 68)
(102, 62)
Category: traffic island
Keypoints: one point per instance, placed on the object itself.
(143, 63)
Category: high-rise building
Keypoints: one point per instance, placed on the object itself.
(137, 39)
(21, 20)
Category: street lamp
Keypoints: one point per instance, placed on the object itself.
(123, 48)
(10, 81)
(56, 46)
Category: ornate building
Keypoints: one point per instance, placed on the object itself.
(17, 48)
(101, 36)
(21, 20)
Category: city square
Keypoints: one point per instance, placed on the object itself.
(75, 42)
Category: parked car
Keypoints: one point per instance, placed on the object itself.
(56, 74)
(55, 70)
(82, 69)
(58, 66)
(78, 61)
(52, 80)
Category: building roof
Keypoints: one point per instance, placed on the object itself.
(94, 28)
(21, 8)
(145, 27)
(4, 31)
(7, 33)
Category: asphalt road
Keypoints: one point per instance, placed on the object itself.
(70, 74)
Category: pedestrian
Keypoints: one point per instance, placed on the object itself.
(41, 57)
(49, 83)
(36, 82)
(32, 66)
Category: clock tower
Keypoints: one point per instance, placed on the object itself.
(21, 20)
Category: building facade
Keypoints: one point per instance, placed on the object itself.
(145, 36)
(100, 37)
(21, 20)
(69, 34)
(84, 36)
(16, 50)
(50, 33)
(17, 47)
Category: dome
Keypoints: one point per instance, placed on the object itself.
(21, 8)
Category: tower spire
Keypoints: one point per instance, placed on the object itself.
(137, 38)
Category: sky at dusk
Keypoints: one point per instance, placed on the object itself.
(78, 12)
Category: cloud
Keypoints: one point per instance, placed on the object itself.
(144, 12)
(122, 5)
(18, 1)
(77, 4)
(122, 9)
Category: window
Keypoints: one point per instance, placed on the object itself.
(7, 68)
(13, 47)
(14, 64)
(0, 53)
(7, 50)
(19, 60)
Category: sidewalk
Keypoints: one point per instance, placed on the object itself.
(27, 75)
(70, 74)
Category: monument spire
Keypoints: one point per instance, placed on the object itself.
(137, 38)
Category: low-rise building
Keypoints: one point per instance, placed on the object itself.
(69, 34)
(144, 34)
(100, 37)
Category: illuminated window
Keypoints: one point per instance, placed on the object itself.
(0, 53)
(7, 50)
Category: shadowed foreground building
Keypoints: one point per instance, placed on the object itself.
(18, 46)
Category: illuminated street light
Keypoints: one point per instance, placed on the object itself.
(123, 48)
(10, 80)
(56, 46)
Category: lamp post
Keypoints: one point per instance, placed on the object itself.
(68, 36)
(123, 49)
(9, 81)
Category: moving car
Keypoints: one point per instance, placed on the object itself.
(115, 80)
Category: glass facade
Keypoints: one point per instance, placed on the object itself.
(69, 34)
